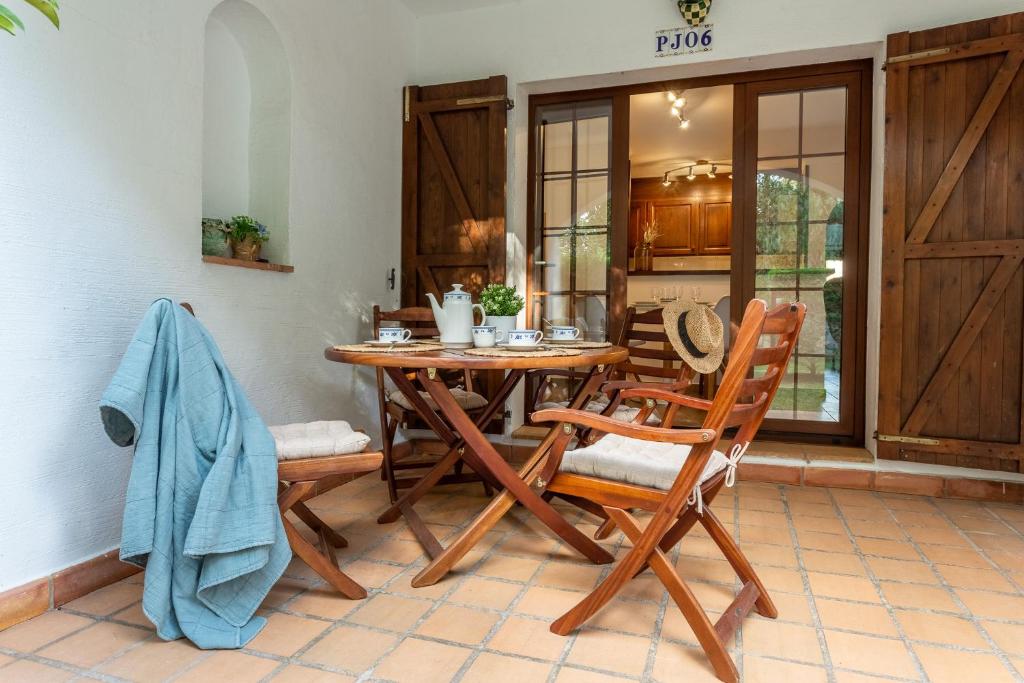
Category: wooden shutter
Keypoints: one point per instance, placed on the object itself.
(952, 285)
(453, 187)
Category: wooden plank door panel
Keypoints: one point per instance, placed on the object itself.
(952, 344)
(453, 187)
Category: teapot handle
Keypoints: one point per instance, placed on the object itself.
(483, 314)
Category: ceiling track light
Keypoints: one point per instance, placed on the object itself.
(678, 109)
(666, 181)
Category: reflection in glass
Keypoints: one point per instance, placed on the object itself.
(800, 183)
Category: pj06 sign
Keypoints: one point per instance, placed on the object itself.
(683, 41)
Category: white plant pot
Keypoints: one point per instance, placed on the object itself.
(504, 323)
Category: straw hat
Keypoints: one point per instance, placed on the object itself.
(696, 333)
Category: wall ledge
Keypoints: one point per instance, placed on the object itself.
(253, 265)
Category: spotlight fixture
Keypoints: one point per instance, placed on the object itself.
(684, 124)
(711, 173)
(666, 181)
(691, 177)
(678, 109)
(675, 111)
(671, 96)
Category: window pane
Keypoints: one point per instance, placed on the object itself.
(592, 317)
(824, 121)
(778, 125)
(557, 203)
(557, 147)
(592, 143)
(592, 260)
(826, 177)
(592, 201)
(557, 258)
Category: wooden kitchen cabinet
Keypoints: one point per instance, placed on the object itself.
(694, 218)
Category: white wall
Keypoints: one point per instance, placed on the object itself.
(545, 46)
(101, 178)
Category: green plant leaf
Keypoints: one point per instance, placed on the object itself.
(9, 20)
(48, 8)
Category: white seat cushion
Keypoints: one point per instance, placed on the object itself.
(317, 439)
(622, 413)
(467, 400)
(635, 461)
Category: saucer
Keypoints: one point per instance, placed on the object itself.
(377, 342)
(548, 340)
(523, 347)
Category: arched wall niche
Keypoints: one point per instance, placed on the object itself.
(247, 122)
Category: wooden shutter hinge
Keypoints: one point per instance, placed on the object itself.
(489, 99)
(918, 440)
(916, 55)
(408, 104)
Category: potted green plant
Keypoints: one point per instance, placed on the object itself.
(247, 236)
(502, 306)
(215, 238)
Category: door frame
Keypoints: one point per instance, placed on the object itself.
(620, 192)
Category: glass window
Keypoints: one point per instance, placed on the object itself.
(801, 181)
(574, 196)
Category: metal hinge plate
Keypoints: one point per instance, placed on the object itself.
(918, 440)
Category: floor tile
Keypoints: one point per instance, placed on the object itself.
(528, 638)
(833, 563)
(296, 673)
(944, 665)
(1009, 637)
(897, 550)
(870, 654)
(46, 628)
(284, 634)
(493, 668)
(509, 568)
(488, 593)
(627, 616)
(350, 648)
(568, 674)
(458, 624)
(975, 578)
(108, 600)
(993, 605)
(849, 616)
(917, 596)
(570, 576)
(674, 663)
(390, 612)
(940, 628)
(842, 587)
(24, 670)
(323, 601)
(541, 601)
(901, 570)
(91, 646)
(610, 652)
(761, 670)
(421, 661)
(229, 665)
(154, 660)
(786, 641)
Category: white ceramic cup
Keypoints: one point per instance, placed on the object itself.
(394, 334)
(524, 337)
(564, 333)
(485, 336)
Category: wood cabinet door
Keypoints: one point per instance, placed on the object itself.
(716, 229)
(676, 224)
(453, 188)
(950, 387)
(639, 213)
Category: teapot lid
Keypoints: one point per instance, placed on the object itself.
(457, 294)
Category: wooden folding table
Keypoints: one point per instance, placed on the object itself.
(466, 441)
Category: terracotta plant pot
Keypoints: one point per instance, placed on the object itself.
(247, 250)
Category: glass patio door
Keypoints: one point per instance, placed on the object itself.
(802, 231)
(572, 217)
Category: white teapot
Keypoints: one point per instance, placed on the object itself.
(455, 320)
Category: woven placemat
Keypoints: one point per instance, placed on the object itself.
(581, 345)
(418, 347)
(548, 352)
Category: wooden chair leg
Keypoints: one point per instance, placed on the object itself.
(387, 469)
(686, 601)
(605, 530)
(318, 525)
(720, 535)
(321, 564)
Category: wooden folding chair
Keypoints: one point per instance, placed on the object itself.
(395, 411)
(303, 478)
(638, 466)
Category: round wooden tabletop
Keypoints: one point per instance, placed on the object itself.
(453, 359)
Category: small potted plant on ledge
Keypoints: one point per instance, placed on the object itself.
(247, 236)
(502, 306)
(643, 255)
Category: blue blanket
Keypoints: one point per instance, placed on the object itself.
(200, 513)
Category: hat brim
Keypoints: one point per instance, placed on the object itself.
(705, 365)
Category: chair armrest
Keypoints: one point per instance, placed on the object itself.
(609, 425)
(623, 385)
(668, 397)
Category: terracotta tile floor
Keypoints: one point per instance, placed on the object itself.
(869, 587)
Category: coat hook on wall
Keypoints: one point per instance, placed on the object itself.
(391, 280)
